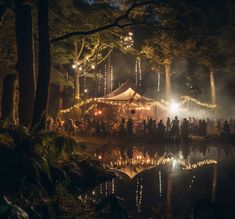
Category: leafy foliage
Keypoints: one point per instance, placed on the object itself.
(37, 171)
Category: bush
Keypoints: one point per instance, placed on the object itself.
(38, 170)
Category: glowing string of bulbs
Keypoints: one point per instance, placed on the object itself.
(187, 98)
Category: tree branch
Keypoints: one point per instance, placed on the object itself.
(81, 49)
(107, 55)
(116, 23)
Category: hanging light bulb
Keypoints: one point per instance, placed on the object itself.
(93, 66)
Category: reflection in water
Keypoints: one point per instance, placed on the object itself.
(169, 188)
(214, 182)
(113, 186)
(139, 193)
(177, 183)
(160, 183)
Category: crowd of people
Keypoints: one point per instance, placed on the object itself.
(174, 129)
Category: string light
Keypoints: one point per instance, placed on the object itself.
(127, 41)
(140, 72)
(136, 73)
(101, 189)
(106, 189)
(158, 81)
(110, 102)
(139, 193)
(160, 183)
(105, 80)
(85, 82)
(92, 66)
(99, 83)
(140, 164)
(111, 77)
(210, 106)
(113, 186)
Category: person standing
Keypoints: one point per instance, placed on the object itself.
(130, 126)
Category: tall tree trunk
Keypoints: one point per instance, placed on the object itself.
(212, 86)
(167, 64)
(8, 97)
(109, 75)
(24, 66)
(55, 102)
(77, 84)
(41, 99)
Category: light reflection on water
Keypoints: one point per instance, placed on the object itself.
(173, 182)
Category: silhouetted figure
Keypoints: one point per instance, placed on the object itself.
(122, 127)
(185, 129)
(115, 127)
(168, 125)
(175, 131)
(231, 124)
(130, 126)
(149, 126)
(204, 128)
(97, 128)
(144, 126)
(154, 127)
(161, 130)
(219, 126)
(226, 128)
(130, 152)
(103, 128)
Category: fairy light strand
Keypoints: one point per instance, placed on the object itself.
(105, 80)
(136, 72)
(140, 72)
(111, 78)
(187, 98)
(160, 183)
(158, 82)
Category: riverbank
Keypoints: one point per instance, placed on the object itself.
(143, 140)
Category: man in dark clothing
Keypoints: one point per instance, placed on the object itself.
(161, 130)
(185, 129)
(175, 130)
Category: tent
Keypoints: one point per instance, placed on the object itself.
(126, 93)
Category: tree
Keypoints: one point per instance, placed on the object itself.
(171, 39)
(84, 53)
(25, 61)
(41, 99)
(8, 97)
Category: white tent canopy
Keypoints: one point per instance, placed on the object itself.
(127, 93)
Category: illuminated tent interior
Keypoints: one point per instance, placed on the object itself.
(126, 101)
(126, 93)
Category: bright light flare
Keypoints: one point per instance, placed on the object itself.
(174, 107)
(174, 163)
